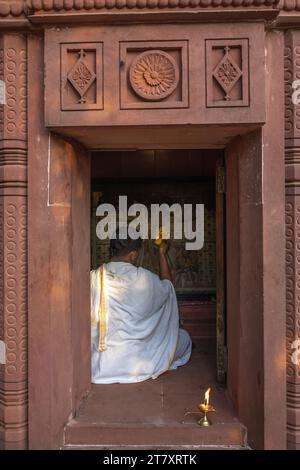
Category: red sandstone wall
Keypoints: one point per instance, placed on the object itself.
(59, 232)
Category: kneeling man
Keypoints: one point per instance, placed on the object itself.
(135, 320)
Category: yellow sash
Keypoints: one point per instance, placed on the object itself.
(102, 313)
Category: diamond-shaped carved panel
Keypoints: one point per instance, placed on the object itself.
(82, 76)
(227, 73)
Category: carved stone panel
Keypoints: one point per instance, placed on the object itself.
(227, 75)
(81, 76)
(154, 74)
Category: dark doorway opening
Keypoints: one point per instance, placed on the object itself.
(172, 176)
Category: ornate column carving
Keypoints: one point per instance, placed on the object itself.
(13, 242)
(292, 162)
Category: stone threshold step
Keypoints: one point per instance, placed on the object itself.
(153, 448)
(84, 433)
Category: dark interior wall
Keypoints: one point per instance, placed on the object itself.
(161, 176)
(194, 271)
(155, 164)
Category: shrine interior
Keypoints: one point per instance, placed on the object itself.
(157, 176)
(172, 176)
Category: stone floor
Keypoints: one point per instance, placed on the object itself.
(151, 414)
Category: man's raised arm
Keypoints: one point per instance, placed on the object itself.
(164, 267)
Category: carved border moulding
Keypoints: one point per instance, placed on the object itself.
(292, 223)
(227, 73)
(289, 5)
(16, 8)
(154, 75)
(13, 242)
(81, 76)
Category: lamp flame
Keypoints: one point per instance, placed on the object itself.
(206, 399)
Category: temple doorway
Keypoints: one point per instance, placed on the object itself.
(151, 408)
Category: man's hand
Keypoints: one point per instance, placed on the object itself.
(164, 247)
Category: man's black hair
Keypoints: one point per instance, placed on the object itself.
(121, 247)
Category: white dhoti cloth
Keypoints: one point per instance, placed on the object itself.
(139, 330)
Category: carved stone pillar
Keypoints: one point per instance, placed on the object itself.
(13, 242)
(292, 162)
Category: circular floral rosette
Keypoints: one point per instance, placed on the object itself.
(154, 75)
